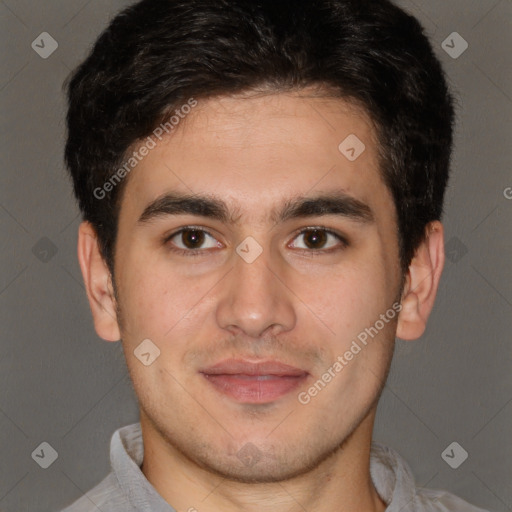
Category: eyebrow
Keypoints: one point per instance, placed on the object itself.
(332, 203)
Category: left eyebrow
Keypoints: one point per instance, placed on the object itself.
(332, 203)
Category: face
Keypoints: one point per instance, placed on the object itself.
(295, 256)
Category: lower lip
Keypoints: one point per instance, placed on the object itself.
(250, 389)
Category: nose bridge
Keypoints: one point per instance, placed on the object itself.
(254, 298)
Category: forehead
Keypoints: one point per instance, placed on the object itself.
(257, 151)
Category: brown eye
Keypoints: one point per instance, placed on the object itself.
(192, 239)
(315, 239)
(320, 240)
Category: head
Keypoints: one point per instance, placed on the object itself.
(235, 114)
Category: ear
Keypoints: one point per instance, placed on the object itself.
(421, 284)
(98, 284)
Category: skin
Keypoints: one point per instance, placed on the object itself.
(254, 152)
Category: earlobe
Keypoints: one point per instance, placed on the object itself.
(422, 282)
(98, 284)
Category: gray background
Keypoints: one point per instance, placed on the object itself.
(61, 384)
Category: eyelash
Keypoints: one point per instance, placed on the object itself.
(311, 252)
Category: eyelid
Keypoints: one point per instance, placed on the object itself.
(188, 227)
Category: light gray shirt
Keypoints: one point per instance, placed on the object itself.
(126, 489)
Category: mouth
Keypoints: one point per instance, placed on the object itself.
(254, 382)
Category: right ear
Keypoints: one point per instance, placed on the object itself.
(98, 284)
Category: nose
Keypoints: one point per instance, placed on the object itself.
(255, 299)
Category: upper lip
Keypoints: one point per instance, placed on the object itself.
(246, 367)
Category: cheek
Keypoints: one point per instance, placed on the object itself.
(164, 304)
(348, 299)
(154, 298)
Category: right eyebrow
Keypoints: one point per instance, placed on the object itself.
(181, 204)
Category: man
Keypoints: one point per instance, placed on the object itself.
(261, 185)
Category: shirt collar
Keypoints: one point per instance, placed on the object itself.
(126, 455)
(391, 476)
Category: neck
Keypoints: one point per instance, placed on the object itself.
(341, 483)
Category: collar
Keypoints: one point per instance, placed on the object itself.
(391, 476)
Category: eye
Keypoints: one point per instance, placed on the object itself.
(190, 240)
(317, 238)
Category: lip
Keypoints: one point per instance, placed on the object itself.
(247, 367)
(254, 381)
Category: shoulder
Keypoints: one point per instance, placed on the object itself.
(434, 500)
(104, 497)
(395, 483)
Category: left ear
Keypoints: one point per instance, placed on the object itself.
(421, 284)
